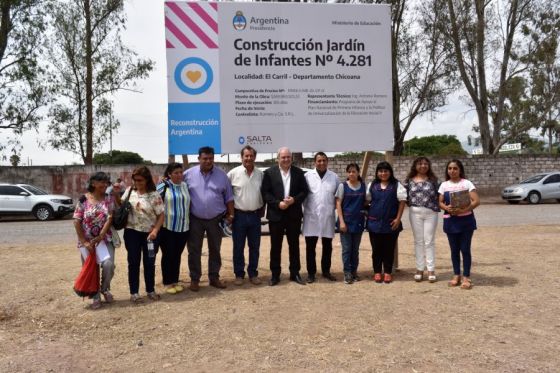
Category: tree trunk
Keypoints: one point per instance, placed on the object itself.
(89, 85)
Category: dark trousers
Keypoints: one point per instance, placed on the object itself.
(246, 226)
(197, 228)
(383, 251)
(292, 229)
(172, 245)
(136, 244)
(460, 244)
(310, 245)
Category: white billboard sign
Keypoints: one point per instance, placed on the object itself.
(307, 76)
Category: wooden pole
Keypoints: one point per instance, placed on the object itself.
(185, 161)
(389, 158)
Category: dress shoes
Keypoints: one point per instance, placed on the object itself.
(194, 286)
(329, 277)
(297, 279)
(274, 281)
(217, 283)
(311, 279)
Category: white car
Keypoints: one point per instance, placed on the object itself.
(28, 199)
(534, 189)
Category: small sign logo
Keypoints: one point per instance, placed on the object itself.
(239, 21)
(241, 140)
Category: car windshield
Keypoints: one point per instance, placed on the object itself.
(35, 190)
(533, 179)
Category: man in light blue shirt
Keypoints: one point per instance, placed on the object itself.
(211, 199)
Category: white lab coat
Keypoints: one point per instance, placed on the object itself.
(319, 206)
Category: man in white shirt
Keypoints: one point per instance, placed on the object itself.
(319, 216)
(246, 181)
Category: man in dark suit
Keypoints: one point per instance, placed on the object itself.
(284, 189)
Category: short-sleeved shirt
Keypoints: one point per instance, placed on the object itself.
(209, 192)
(246, 188)
(145, 210)
(340, 190)
(449, 186)
(93, 216)
(423, 194)
(176, 202)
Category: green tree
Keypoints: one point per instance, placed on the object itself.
(15, 160)
(22, 92)
(91, 64)
(119, 157)
(495, 52)
(433, 145)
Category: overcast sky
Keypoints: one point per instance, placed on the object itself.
(143, 116)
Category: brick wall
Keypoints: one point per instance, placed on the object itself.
(489, 173)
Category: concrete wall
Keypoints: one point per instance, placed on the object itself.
(489, 173)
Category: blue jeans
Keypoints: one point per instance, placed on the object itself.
(460, 243)
(246, 226)
(350, 251)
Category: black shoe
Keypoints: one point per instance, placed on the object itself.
(274, 281)
(348, 278)
(329, 277)
(311, 279)
(297, 279)
(355, 277)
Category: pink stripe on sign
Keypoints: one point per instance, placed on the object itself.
(205, 16)
(194, 28)
(168, 44)
(214, 5)
(178, 34)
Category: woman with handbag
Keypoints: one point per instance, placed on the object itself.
(92, 221)
(175, 231)
(144, 222)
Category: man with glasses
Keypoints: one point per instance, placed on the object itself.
(211, 198)
(284, 189)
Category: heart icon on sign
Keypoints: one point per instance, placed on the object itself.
(193, 76)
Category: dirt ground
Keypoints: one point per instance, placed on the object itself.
(508, 322)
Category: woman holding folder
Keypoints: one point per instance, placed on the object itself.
(458, 198)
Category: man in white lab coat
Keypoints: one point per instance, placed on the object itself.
(319, 216)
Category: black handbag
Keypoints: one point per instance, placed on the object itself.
(120, 216)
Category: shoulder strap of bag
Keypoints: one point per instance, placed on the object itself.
(128, 195)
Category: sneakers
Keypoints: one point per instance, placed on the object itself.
(108, 296)
(179, 288)
(136, 298)
(419, 276)
(348, 278)
(171, 290)
(355, 277)
(154, 296)
(96, 304)
(255, 280)
(238, 281)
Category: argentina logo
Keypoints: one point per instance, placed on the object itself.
(239, 21)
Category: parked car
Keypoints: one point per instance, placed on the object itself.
(534, 189)
(28, 199)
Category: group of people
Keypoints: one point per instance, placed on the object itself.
(188, 205)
